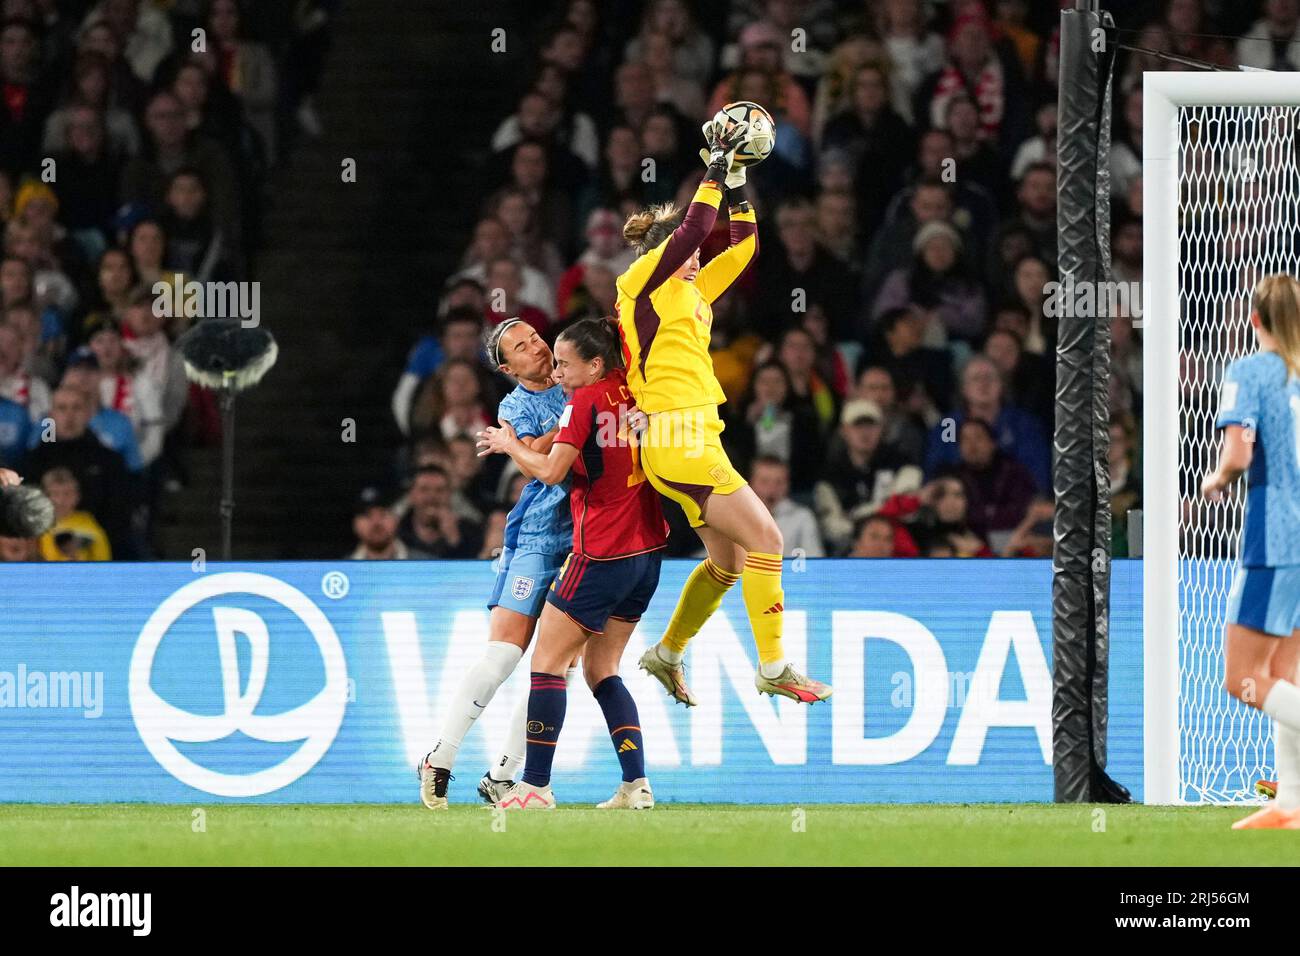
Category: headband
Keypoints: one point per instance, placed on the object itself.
(500, 335)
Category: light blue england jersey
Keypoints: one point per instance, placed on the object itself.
(1259, 395)
(541, 520)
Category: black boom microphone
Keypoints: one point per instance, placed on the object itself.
(24, 512)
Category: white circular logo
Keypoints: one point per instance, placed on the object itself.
(335, 585)
(315, 723)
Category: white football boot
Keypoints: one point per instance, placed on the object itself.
(525, 796)
(433, 784)
(635, 795)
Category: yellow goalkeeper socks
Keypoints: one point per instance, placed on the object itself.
(701, 596)
(761, 585)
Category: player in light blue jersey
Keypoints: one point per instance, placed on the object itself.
(1259, 414)
(538, 537)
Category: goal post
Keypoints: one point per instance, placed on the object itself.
(1221, 209)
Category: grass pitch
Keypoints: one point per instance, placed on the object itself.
(671, 834)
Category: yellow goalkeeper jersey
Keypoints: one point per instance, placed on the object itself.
(665, 322)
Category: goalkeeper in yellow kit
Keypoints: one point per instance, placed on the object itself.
(664, 318)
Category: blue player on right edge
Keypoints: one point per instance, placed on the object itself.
(1259, 415)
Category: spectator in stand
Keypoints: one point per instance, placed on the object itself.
(1011, 21)
(761, 48)
(245, 68)
(16, 383)
(491, 242)
(17, 287)
(35, 236)
(1125, 367)
(115, 280)
(90, 89)
(837, 231)
(662, 146)
(873, 537)
(898, 346)
(527, 245)
(803, 274)
(539, 118)
(977, 159)
(618, 178)
(1030, 277)
(75, 535)
(904, 429)
(504, 281)
(1041, 148)
(126, 91)
(531, 174)
(915, 53)
(942, 521)
(142, 30)
(998, 488)
(974, 69)
(1032, 538)
(459, 335)
(472, 480)
(494, 534)
(1125, 481)
(1015, 432)
(121, 389)
(1030, 378)
(431, 525)
(605, 248)
(684, 94)
(693, 46)
(106, 488)
(1036, 207)
(147, 244)
(1194, 37)
(877, 140)
(89, 175)
(170, 146)
(40, 359)
(196, 246)
(860, 473)
(937, 282)
(113, 429)
(893, 246)
(770, 479)
(211, 113)
(595, 298)
(1273, 42)
(766, 424)
(27, 101)
(154, 358)
(834, 92)
(451, 402)
(375, 527)
(797, 353)
(16, 433)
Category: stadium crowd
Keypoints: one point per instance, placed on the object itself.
(135, 141)
(889, 361)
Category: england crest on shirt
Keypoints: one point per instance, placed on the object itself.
(521, 588)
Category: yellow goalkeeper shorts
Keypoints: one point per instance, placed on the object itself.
(682, 455)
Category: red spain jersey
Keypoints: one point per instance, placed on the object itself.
(616, 511)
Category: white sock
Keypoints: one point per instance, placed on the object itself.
(1287, 746)
(511, 759)
(668, 655)
(772, 669)
(1283, 704)
(475, 692)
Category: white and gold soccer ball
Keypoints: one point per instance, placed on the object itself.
(758, 144)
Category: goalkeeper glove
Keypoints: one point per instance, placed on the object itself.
(721, 153)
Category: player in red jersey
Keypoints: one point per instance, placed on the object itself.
(607, 581)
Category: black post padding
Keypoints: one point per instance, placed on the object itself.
(1080, 475)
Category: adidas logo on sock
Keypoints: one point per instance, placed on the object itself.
(626, 745)
(775, 608)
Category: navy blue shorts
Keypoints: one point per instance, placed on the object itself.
(591, 592)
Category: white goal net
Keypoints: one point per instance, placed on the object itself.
(1237, 219)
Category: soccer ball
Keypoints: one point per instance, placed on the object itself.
(757, 146)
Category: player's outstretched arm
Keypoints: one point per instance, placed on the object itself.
(550, 468)
(1234, 458)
